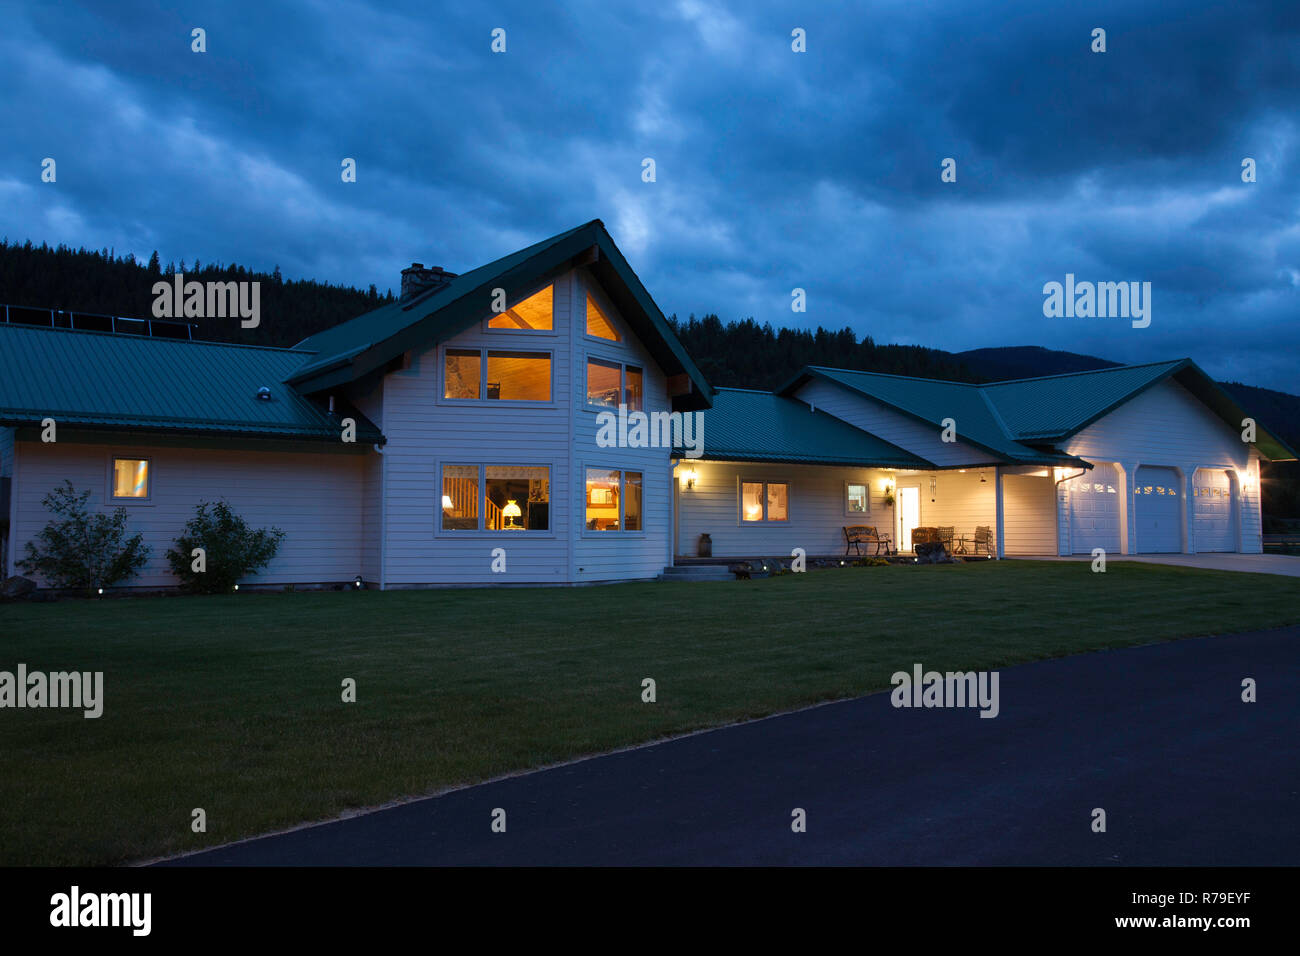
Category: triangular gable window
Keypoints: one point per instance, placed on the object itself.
(598, 324)
(534, 314)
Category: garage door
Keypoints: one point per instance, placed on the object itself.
(1094, 510)
(1157, 511)
(1212, 512)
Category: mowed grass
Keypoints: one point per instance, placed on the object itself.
(233, 703)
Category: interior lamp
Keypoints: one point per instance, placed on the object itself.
(446, 503)
(511, 513)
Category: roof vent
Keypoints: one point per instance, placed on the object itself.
(264, 394)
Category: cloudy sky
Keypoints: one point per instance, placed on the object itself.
(774, 169)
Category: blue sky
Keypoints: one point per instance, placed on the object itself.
(775, 169)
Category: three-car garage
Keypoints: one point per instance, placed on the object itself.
(1156, 510)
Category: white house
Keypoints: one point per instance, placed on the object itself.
(1137, 459)
(453, 437)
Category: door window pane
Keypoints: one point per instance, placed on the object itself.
(460, 497)
(635, 386)
(857, 498)
(130, 478)
(602, 499)
(777, 495)
(632, 501)
(517, 498)
(462, 373)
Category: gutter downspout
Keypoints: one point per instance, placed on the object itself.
(383, 516)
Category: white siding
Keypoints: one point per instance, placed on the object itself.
(1029, 514)
(817, 509)
(1167, 426)
(960, 500)
(315, 498)
(893, 426)
(371, 404)
(425, 432)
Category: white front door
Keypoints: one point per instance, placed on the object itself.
(909, 516)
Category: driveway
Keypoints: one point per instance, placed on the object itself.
(1285, 564)
(1157, 736)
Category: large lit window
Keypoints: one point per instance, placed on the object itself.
(497, 375)
(855, 499)
(614, 500)
(764, 501)
(534, 314)
(611, 383)
(598, 324)
(519, 376)
(507, 497)
(130, 478)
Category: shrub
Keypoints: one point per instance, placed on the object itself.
(83, 549)
(232, 550)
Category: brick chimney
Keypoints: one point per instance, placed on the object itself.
(417, 279)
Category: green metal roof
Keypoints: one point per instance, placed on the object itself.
(369, 342)
(1021, 420)
(1055, 406)
(747, 425)
(102, 380)
(931, 401)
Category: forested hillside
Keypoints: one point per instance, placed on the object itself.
(85, 280)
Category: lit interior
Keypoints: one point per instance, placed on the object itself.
(535, 313)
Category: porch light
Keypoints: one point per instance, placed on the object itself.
(511, 513)
(690, 475)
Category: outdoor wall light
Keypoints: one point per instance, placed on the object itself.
(690, 475)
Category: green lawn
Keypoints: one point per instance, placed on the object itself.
(233, 703)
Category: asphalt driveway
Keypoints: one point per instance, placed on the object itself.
(1157, 736)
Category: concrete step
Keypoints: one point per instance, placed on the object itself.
(697, 572)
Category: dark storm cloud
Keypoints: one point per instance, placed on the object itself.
(775, 169)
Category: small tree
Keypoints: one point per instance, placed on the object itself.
(83, 550)
(231, 549)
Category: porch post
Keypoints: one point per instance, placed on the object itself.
(997, 493)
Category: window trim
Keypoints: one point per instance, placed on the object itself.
(552, 332)
(853, 514)
(481, 532)
(483, 401)
(622, 532)
(113, 500)
(588, 357)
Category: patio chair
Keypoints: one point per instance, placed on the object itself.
(946, 535)
(983, 539)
